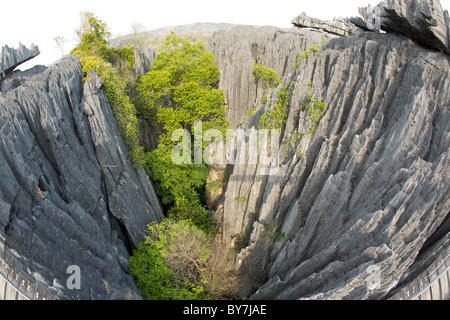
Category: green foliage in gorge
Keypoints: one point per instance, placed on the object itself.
(179, 260)
(180, 90)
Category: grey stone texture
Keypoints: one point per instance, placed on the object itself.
(337, 26)
(366, 190)
(69, 194)
(423, 21)
(11, 58)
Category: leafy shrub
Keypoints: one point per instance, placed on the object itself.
(304, 55)
(250, 111)
(241, 200)
(153, 278)
(276, 233)
(193, 211)
(123, 58)
(314, 107)
(180, 90)
(178, 261)
(265, 77)
(276, 117)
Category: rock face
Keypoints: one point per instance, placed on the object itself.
(17, 78)
(365, 191)
(353, 203)
(339, 27)
(236, 52)
(11, 58)
(68, 193)
(143, 60)
(421, 20)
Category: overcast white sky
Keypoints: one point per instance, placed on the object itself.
(39, 21)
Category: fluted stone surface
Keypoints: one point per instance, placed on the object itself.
(421, 20)
(360, 197)
(69, 194)
(365, 191)
(143, 60)
(236, 52)
(337, 26)
(11, 58)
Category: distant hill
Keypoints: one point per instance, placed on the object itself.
(193, 32)
(200, 27)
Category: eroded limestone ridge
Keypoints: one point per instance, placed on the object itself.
(69, 194)
(421, 20)
(368, 189)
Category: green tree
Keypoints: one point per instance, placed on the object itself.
(180, 90)
(168, 265)
(275, 118)
(93, 33)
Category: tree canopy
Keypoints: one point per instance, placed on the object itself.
(180, 90)
(178, 261)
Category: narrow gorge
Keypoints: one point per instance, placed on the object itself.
(363, 186)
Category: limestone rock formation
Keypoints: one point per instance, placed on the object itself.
(421, 20)
(17, 78)
(143, 60)
(236, 52)
(364, 191)
(69, 194)
(11, 58)
(337, 26)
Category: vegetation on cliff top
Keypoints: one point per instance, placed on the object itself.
(178, 261)
(114, 66)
